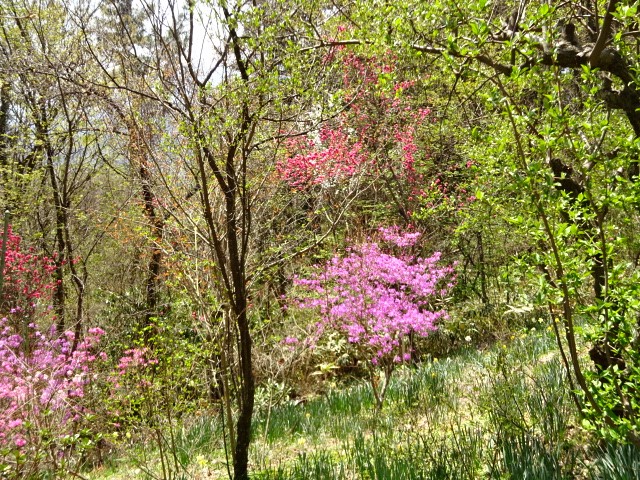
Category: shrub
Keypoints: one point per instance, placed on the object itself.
(44, 374)
(375, 298)
(44, 416)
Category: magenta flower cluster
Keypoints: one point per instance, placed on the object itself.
(135, 358)
(42, 377)
(376, 298)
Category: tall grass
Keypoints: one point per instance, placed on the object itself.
(617, 462)
(503, 413)
(518, 413)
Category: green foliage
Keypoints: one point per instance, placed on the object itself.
(506, 431)
(196, 437)
(527, 457)
(141, 153)
(617, 462)
(160, 387)
(556, 163)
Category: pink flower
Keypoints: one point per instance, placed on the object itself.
(375, 299)
(14, 423)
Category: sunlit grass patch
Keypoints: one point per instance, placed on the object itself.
(505, 412)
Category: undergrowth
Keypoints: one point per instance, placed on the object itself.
(505, 412)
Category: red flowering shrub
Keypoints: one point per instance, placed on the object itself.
(28, 282)
(376, 136)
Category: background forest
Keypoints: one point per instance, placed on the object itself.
(319, 239)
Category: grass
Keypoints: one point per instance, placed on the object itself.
(498, 414)
(438, 421)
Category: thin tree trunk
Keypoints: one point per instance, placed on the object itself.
(138, 151)
(60, 220)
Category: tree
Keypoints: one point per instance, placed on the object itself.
(560, 81)
(224, 107)
(49, 166)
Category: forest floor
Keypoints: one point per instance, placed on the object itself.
(501, 412)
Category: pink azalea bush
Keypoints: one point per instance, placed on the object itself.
(42, 382)
(45, 375)
(59, 397)
(135, 358)
(375, 296)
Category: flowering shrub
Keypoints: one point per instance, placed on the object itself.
(386, 142)
(42, 390)
(162, 382)
(134, 383)
(135, 358)
(43, 379)
(27, 281)
(375, 299)
(377, 136)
